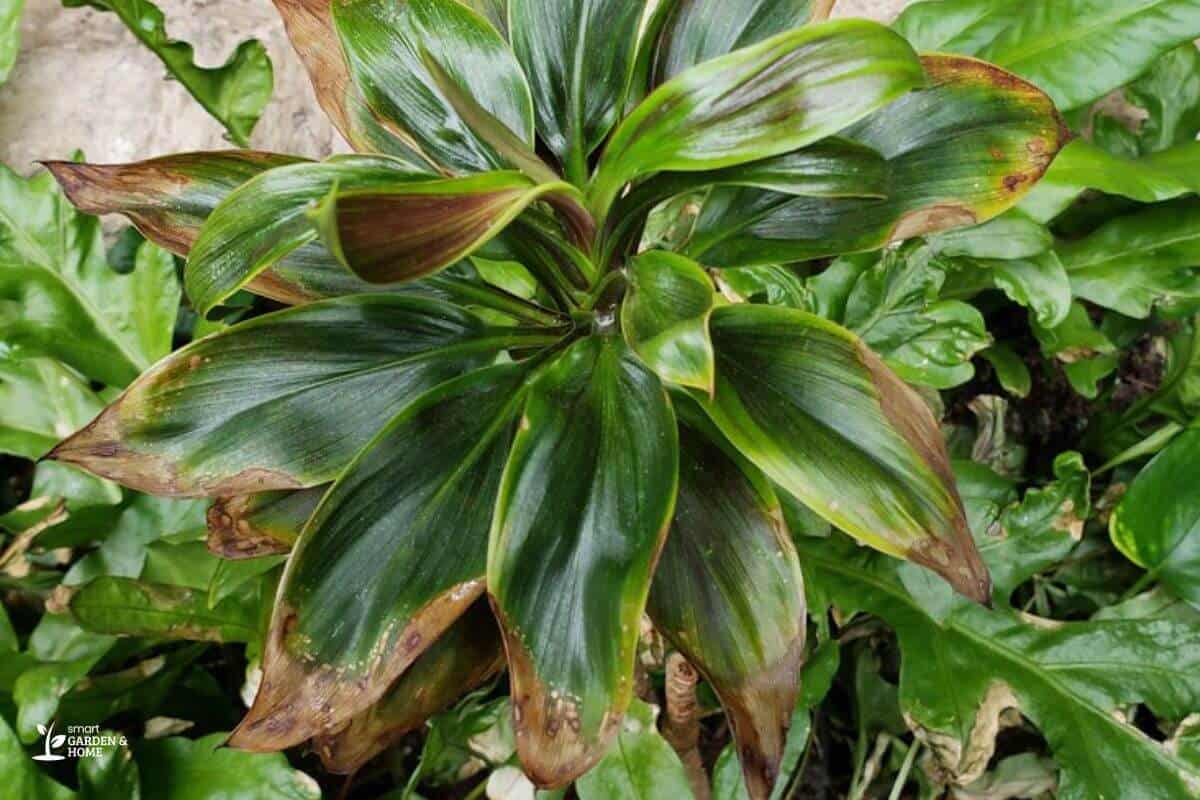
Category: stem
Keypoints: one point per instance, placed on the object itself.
(477, 791)
(905, 768)
(1137, 588)
(681, 727)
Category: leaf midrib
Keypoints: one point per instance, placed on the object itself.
(1040, 44)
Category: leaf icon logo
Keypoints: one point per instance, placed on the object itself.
(50, 742)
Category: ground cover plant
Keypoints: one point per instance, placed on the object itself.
(652, 406)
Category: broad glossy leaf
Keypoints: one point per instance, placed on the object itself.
(385, 43)
(1076, 50)
(254, 525)
(10, 35)
(235, 93)
(127, 607)
(583, 510)
(1135, 263)
(170, 198)
(201, 769)
(1169, 92)
(112, 775)
(1082, 165)
(406, 231)
(761, 101)
(1040, 284)
(268, 218)
(729, 594)
(958, 153)
(1010, 235)
(21, 774)
(1086, 352)
(41, 402)
(1157, 524)
(463, 658)
(665, 317)
(578, 56)
(830, 168)
(283, 401)
(825, 419)
(1012, 372)
(58, 296)
(698, 30)
(1067, 678)
(640, 765)
(393, 555)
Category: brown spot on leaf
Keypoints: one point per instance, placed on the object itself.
(231, 535)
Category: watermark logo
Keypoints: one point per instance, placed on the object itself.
(82, 741)
(50, 742)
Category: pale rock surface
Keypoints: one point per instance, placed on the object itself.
(82, 81)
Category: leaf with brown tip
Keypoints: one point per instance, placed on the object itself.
(959, 153)
(812, 407)
(581, 517)
(463, 658)
(729, 594)
(283, 401)
(392, 557)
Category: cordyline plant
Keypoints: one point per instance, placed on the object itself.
(615, 440)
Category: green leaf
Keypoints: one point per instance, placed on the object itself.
(129, 533)
(1067, 678)
(1009, 236)
(256, 525)
(41, 402)
(463, 658)
(10, 35)
(1011, 371)
(1082, 165)
(1040, 284)
(385, 45)
(267, 218)
(830, 168)
(1135, 263)
(583, 510)
(696, 31)
(235, 93)
(126, 607)
(641, 765)
(1077, 51)
(1157, 524)
(893, 306)
(1169, 92)
(958, 153)
(826, 420)
(393, 555)
(58, 296)
(578, 55)
(170, 198)
(665, 317)
(729, 594)
(282, 401)
(111, 775)
(740, 107)
(20, 773)
(186, 769)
